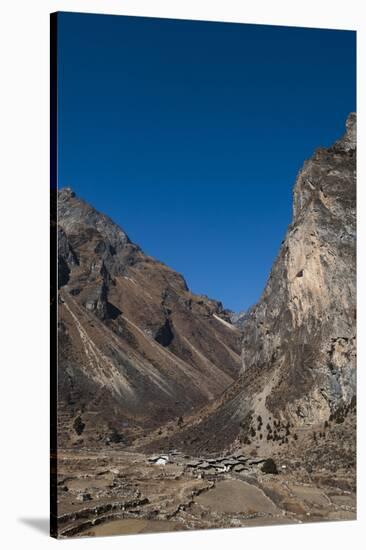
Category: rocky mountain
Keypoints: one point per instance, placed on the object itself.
(302, 333)
(299, 342)
(135, 347)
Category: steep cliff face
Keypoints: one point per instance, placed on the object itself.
(300, 337)
(136, 347)
(299, 341)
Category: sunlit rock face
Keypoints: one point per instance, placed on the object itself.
(301, 336)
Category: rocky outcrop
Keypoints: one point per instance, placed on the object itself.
(136, 347)
(300, 337)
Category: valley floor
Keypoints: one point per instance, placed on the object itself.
(119, 492)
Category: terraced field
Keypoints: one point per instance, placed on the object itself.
(125, 492)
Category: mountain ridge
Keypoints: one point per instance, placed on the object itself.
(133, 337)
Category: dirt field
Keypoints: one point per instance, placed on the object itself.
(119, 492)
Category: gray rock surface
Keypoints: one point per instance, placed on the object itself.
(301, 336)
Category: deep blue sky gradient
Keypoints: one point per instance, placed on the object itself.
(190, 134)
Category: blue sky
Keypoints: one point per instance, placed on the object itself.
(190, 134)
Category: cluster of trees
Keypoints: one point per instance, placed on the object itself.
(278, 432)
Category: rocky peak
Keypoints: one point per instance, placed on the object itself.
(75, 215)
(65, 193)
(322, 183)
(348, 141)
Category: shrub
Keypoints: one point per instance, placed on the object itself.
(79, 425)
(269, 466)
(116, 437)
